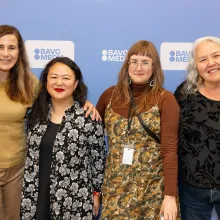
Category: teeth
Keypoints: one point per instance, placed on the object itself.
(212, 71)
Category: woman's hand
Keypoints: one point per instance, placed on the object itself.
(96, 205)
(91, 108)
(169, 208)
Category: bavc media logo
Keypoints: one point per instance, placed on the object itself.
(41, 52)
(46, 54)
(114, 55)
(175, 56)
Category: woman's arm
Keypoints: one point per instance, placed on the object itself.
(103, 101)
(169, 140)
(170, 112)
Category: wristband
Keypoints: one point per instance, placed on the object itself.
(96, 193)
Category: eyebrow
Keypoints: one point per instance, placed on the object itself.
(66, 74)
(145, 59)
(9, 45)
(202, 57)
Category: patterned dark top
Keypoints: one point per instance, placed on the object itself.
(77, 167)
(199, 140)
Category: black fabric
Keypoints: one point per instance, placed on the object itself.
(46, 148)
(199, 140)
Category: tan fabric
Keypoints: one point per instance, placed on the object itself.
(10, 192)
(12, 130)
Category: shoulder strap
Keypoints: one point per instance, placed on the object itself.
(150, 133)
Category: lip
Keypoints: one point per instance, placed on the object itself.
(5, 61)
(59, 90)
(138, 74)
(214, 70)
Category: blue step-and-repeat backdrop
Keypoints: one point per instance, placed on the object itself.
(97, 34)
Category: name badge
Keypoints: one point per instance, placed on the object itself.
(128, 156)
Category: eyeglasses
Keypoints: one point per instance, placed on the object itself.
(144, 64)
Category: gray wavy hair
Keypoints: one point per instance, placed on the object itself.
(192, 79)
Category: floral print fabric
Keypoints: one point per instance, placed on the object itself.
(199, 140)
(132, 192)
(77, 167)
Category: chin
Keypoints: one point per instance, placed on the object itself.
(141, 83)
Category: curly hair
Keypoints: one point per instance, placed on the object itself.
(193, 80)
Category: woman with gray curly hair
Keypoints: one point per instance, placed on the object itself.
(199, 132)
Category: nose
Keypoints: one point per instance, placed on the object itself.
(5, 52)
(139, 66)
(211, 61)
(59, 81)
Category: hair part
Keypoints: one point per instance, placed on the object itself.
(122, 88)
(40, 108)
(193, 80)
(20, 80)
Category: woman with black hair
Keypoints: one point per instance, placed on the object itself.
(65, 159)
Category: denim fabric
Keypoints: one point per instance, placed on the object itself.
(198, 204)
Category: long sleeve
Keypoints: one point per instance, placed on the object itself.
(97, 155)
(103, 101)
(169, 140)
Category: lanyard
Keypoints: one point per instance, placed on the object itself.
(130, 116)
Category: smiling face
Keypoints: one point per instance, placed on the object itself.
(61, 82)
(207, 56)
(8, 52)
(140, 69)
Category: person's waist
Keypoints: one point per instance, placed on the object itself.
(12, 154)
(201, 184)
(8, 163)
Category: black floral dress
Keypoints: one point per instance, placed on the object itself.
(77, 167)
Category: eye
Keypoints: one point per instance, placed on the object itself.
(216, 55)
(134, 62)
(145, 63)
(202, 61)
(12, 48)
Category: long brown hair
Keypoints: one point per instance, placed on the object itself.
(122, 88)
(20, 80)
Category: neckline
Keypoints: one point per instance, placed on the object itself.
(55, 124)
(212, 100)
(138, 89)
(110, 108)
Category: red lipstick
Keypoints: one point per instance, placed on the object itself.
(59, 90)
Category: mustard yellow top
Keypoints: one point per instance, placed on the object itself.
(12, 130)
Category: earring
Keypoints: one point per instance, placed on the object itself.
(129, 81)
(151, 83)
